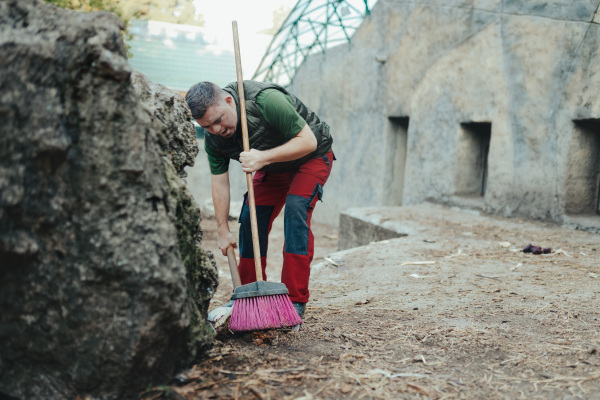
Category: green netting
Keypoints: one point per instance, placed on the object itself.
(312, 26)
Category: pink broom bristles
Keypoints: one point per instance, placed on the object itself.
(263, 312)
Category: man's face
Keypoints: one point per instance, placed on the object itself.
(220, 118)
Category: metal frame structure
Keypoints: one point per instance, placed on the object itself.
(312, 26)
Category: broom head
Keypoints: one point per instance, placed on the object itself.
(262, 305)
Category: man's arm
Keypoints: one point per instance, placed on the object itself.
(221, 198)
(302, 144)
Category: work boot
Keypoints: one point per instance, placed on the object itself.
(220, 312)
(299, 308)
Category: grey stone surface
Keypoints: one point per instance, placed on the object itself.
(170, 110)
(104, 284)
(527, 68)
(578, 10)
(361, 226)
(208, 210)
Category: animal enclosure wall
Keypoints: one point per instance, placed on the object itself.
(501, 99)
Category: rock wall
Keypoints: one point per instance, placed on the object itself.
(104, 286)
(172, 113)
(425, 86)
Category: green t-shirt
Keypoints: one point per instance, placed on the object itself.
(278, 111)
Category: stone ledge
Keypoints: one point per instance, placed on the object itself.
(361, 226)
(586, 223)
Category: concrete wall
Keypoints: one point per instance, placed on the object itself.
(412, 97)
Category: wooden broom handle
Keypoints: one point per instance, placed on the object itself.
(233, 268)
(246, 141)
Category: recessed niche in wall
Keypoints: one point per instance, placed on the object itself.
(395, 160)
(472, 158)
(582, 183)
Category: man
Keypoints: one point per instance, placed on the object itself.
(291, 158)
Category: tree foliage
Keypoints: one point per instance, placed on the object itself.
(174, 11)
(279, 16)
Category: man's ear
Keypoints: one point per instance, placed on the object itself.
(229, 99)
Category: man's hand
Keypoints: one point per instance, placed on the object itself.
(226, 240)
(252, 160)
(305, 142)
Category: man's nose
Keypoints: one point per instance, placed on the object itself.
(214, 129)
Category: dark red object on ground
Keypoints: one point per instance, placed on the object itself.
(536, 249)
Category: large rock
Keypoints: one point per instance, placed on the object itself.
(104, 284)
(170, 109)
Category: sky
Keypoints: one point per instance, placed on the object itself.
(252, 16)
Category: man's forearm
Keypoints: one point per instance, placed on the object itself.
(221, 199)
(302, 144)
(221, 196)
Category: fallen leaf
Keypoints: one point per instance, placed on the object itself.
(346, 388)
(458, 253)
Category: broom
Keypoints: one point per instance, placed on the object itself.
(257, 305)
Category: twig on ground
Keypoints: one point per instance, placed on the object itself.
(418, 389)
(330, 261)
(256, 393)
(488, 277)
(458, 253)
(571, 379)
(207, 385)
(417, 263)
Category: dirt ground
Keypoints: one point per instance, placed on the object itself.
(454, 310)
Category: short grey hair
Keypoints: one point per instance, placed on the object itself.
(201, 96)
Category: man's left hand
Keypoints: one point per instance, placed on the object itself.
(252, 160)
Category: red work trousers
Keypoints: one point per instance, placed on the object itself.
(299, 191)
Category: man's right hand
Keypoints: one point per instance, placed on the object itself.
(226, 240)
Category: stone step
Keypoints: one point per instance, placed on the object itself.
(362, 225)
